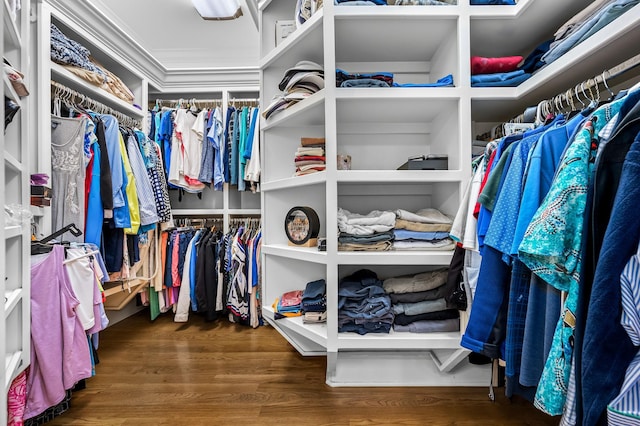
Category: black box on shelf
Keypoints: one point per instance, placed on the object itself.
(426, 162)
(41, 191)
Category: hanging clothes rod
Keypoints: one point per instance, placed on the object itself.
(183, 102)
(70, 96)
(584, 92)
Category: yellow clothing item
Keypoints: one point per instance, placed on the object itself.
(132, 193)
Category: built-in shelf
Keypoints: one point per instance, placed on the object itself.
(295, 182)
(10, 92)
(11, 33)
(244, 212)
(12, 362)
(396, 257)
(12, 231)
(399, 176)
(399, 93)
(307, 112)
(315, 332)
(66, 77)
(12, 162)
(399, 340)
(197, 212)
(302, 39)
(308, 254)
(11, 300)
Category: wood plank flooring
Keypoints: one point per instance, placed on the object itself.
(165, 373)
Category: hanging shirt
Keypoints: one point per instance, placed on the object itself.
(130, 191)
(184, 169)
(252, 152)
(235, 140)
(215, 138)
(144, 191)
(551, 248)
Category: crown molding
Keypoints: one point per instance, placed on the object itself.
(92, 20)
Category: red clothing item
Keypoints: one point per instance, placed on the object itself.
(476, 209)
(480, 65)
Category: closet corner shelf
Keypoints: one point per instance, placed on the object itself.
(317, 333)
(11, 364)
(244, 212)
(307, 112)
(435, 93)
(404, 12)
(262, 5)
(504, 11)
(585, 60)
(9, 91)
(37, 211)
(396, 257)
(13, 297)
(12, 231)
(399, 176)
(404, 341)
(307, 254)
(197, 212)
(10, 28)
(295, 181)
(66, 77)
(12, 162)
(306, 40)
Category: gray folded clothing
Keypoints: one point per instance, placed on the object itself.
(417, 282)
(429, 326)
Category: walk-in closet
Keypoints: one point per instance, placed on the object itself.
(320, 212)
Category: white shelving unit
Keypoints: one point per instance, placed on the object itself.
(380, 128)
(16, 142)
(228, 203)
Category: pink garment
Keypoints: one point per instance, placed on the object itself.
(480, 65)
(175, 274)
(59, 348)
(16, 400)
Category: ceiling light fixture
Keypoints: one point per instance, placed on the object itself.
(218, 9)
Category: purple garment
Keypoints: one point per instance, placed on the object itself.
(59, 349)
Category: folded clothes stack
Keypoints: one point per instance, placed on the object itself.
(382, 79)
(427, 229)
(298, 83)
(289, 304)
(497, 72)
(363, 305)
(419, 302)
(314, 302)
(16, 78)
(370, 232)
(310, 156)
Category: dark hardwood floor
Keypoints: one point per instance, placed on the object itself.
(165, 373)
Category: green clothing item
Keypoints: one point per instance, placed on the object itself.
(489, 193)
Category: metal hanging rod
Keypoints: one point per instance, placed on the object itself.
(585, 92)
(184, 102)
(70, 97)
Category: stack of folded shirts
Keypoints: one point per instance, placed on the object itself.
(298, 83)
(502, 72)
(289, 304)
(363, 305)
(419, 303)
(314, 302)
(310, 156)
(371, 232)
(427, 229)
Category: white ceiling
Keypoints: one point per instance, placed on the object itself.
(174, 33)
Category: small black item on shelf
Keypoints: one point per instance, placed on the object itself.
(426, 162)
(10, 110)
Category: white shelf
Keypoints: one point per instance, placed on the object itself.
(13, 297)
(398, 93)
(399, 176)
(262, 5)
(399, 341)
(608, 47)
(12, 162)
(317, 333)
(69, 79)
(301, 41)
(197, 212)
(247, 212)
(395, 257)
(354, 106)
(11, 364)
(308, 112)
(404, 12)
(11, 33)
(307, 254)
(295, 182)
(12, 231)
(9, 90)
